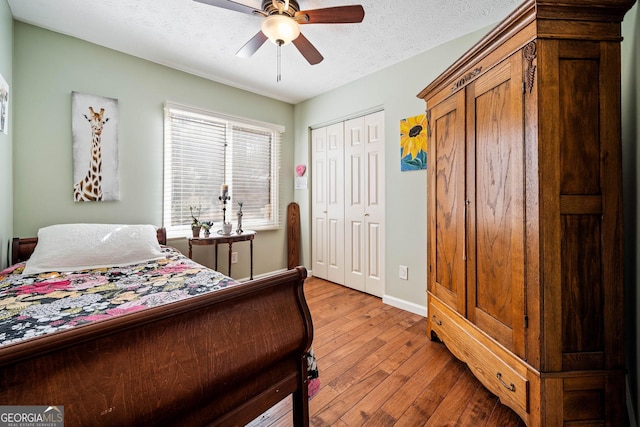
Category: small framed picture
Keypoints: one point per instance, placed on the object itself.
(4, 105)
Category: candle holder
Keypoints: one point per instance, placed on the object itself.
(224, 199)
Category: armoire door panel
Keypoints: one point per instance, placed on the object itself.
(496, 204)
(446, 242)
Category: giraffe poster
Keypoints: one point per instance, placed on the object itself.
(94, 121)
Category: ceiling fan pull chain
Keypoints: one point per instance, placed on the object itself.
(279, 66)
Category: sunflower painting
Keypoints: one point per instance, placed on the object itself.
(413, 143)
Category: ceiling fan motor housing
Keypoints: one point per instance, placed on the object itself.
(270, 9)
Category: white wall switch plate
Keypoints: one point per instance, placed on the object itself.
(404, 272)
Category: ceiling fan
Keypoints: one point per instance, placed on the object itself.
(282, 20)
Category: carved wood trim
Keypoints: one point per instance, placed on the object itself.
(428, 114)
(466, 79)
(529, 53)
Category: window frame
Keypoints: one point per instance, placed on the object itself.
(276, 131)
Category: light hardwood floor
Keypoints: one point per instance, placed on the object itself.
(377, 368)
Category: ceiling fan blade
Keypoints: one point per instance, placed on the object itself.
(232, 5)
(252, 45)
(331, 15)
(307, 50)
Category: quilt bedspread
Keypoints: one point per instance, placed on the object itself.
(34, 305)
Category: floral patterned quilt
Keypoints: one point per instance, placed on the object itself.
(34, 305)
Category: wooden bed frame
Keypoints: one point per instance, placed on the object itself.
(222, 358)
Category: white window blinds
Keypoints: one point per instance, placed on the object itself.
(204, 150)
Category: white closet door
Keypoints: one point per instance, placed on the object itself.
(335, 203)
(374, 208)
(364, 203)
(354, 204)
(319, 251)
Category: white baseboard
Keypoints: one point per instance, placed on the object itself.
(259, 276)
(411, 307)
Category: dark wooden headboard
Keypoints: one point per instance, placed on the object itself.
(21, 249)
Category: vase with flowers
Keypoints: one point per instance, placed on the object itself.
(206, 226)
(196, 225)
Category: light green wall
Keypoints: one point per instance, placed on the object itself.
(631, 179)
(6, 141)
(48, 66)
(395, 89)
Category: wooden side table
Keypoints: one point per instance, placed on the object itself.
(216, 239)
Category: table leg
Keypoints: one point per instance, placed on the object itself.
(216, 245)
(190, 249)
(230, 253)
(251, 259)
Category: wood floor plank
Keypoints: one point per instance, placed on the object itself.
(397, 404)
(387, 388)
(378, 368)
(426, 403)
(478, 410)
(331, 413)
(454, 402)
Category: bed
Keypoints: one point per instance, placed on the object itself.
(216, 356)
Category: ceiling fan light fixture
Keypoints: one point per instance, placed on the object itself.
(280, 29)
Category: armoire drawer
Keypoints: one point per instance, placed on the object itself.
(495, 373)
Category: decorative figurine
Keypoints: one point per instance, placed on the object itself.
(239, 229)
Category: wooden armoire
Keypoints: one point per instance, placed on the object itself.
(524, 212)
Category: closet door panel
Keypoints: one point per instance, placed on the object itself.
(319, 212)
(335, 203)
(375, 206)
(355, 270)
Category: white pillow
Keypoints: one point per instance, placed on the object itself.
(72, 247)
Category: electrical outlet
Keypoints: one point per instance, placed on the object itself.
(234, 257)
(404, 272)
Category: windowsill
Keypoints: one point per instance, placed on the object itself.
(185, 234)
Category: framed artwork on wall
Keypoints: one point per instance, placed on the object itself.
(413, 143)
(4, 105)
(94, 121)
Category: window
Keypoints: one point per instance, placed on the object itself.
(203, 151)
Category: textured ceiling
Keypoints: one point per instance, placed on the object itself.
(202, 39)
